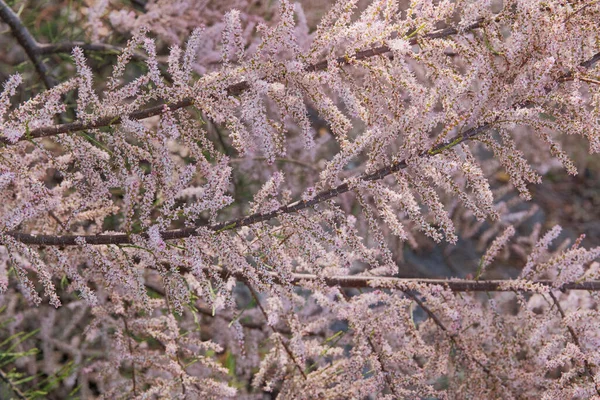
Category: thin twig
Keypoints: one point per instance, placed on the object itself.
(132, 355)
(58, 220)
(376, 51)
(183, 388)
(378, 356)
(581, 78)
(387, 282)
(228, 318)
(67, 47)
(579, 10)
(452, 336)
(78, 126)
(264, 313)
(282, 160)
(14, 389)
(587, 365)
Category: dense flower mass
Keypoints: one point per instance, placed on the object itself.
(220, 208)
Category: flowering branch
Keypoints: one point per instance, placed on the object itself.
(78, 126)
(233, 90)
(71, 240)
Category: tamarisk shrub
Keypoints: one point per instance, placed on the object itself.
(225, 213)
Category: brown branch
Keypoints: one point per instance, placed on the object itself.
(281, 160)
(383, 282)
(590, 63)
(34, 49)
(232, 90)
(70, 240)
(67, 47)
(141, 4)
(581, 78)
(27, 42)
(78, 126)
(387, 282)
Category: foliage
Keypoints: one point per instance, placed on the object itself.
(213, 199)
